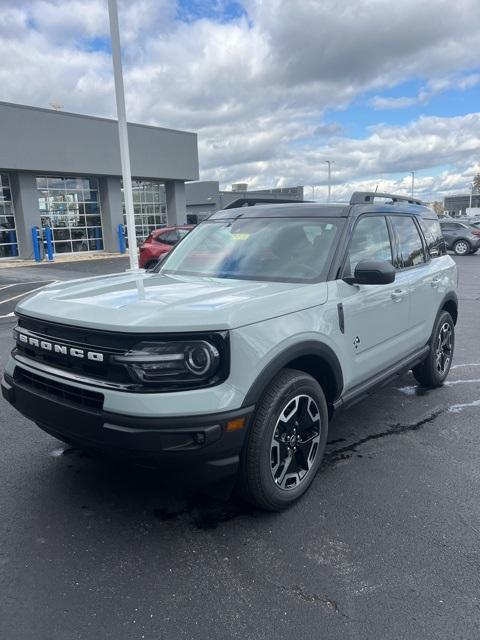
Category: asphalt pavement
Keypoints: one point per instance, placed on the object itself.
(386, 543)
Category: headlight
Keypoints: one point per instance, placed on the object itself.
(178, 363)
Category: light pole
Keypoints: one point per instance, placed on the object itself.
(313, 192)
(329, 162)
(413, 181)
(122, 132)
(471, 196)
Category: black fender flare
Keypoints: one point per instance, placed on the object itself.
(306, 348)
(451, 296)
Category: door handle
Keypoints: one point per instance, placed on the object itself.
(436, 282)
(398, 295)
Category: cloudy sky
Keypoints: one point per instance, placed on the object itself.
(273, 87)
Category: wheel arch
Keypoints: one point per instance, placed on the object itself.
(450, 304)
(314, 358)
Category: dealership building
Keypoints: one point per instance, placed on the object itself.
(63, 170)
(459, 205)
(206, 197)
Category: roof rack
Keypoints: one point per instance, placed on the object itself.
(250, 202)
(361, 197)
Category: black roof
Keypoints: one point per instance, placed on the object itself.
(289, 210)
(316, 210)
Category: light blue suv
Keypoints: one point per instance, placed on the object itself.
(231, 357)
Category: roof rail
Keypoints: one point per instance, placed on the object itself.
(361, 197)
(250, 202)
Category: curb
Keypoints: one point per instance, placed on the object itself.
(9, 264)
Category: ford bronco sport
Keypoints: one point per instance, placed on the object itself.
(232, 355)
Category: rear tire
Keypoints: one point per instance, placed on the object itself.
(462, 247)
(433, 371)
(285, 443)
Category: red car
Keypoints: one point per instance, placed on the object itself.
(159, 242)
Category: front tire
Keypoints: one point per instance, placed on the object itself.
(285, 443)
(462, 247)
(433, 371)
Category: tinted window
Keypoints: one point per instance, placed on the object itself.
(409, 242)
(433, 235)
(370, 241)
(450, 226)
(170, 237)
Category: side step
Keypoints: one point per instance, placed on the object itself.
(380, 379)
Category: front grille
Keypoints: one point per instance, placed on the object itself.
(104, 372)
(71, 395)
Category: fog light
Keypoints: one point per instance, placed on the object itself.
(199, 437)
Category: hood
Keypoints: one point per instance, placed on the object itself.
(154, 302)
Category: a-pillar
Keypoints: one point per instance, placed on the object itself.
(111, 202)
(176, 202)
(27, 212)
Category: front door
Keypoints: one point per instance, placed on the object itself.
(376, 317)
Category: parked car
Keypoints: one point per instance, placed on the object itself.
(460, 237)
(159, 243)
(231, 362)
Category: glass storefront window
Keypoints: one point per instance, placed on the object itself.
(70, 205)
(8, 232)
(149, 206)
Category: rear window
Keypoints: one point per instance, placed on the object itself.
(434, 237)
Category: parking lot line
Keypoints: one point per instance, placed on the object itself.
(17, 284)
(20, 295)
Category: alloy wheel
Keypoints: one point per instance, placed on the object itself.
(295, 442)
(443, 353)
(461, 248)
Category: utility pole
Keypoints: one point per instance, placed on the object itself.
(122, 132)
(329, 162)
(413, 182)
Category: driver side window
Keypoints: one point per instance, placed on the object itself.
(370, 241)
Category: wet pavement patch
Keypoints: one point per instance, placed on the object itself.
(206, 514)
(346, 452)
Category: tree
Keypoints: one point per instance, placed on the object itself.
(476, 182)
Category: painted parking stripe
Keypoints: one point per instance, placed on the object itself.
(18, 284)
(20, 295)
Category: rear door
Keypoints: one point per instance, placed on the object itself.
(376, 317)
(417, 275)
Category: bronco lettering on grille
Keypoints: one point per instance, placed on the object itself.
(60, 349)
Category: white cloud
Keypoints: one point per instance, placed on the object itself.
(257, 88)
(431, 89)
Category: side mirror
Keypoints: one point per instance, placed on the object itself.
(372, 272)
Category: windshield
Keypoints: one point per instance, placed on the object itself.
(278, 249)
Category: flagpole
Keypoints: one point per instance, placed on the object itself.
(122, 132)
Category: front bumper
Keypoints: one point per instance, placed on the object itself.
(203, 445)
